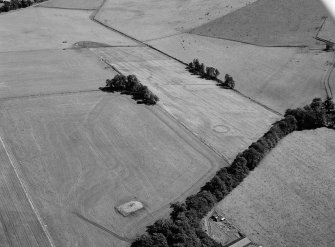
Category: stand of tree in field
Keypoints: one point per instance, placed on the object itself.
(183, 228)
(131, 85)
(197, 68)
(17, 4)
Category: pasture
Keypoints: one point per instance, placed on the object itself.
(287, 201)
(83, 154)
(221, 118)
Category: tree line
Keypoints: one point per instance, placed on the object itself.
(183, 228)
(17, 4)
(130, 84)
(210, 73)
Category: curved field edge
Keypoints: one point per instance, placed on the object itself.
(183, 227)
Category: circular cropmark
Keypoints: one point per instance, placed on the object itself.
(221, 128)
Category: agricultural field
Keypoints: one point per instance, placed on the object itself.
(288, 199)
(215, 115)
(73, 4)
(83, 154)
(50, 71)
(153, 19)
(269, 23)
(278, 77)
(71, 154)
(38, 28)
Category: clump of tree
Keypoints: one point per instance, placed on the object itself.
(183, 228)
(131, 85)
(17, 4)
(315, 115)
(197, 68)
(228, 82)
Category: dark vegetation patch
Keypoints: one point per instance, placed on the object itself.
(210, 73)
(17, 4)
(131, 85)
(183, 228)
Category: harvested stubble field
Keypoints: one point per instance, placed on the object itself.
(269, 23)
(280, 78)
(152, 19)
(49, 28)
(81, 155)
(72, 4)
(221, 118)
(288, 200)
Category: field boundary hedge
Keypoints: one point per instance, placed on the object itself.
(183, 228)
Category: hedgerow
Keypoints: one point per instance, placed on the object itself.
(183, 228)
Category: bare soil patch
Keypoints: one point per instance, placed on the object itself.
(152, 19)
(83, 154)
(269, 23)
(280, 78)
(288, 200)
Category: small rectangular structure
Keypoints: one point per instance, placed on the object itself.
(129, 207)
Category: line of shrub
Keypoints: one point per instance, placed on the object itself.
(17, 4)
(183, 228)
(197, 68)
(131, 85)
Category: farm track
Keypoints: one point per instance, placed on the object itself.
(329, 80)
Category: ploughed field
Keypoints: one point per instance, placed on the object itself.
(83, 154)
(288, 200)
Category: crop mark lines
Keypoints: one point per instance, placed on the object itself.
(24, 187)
